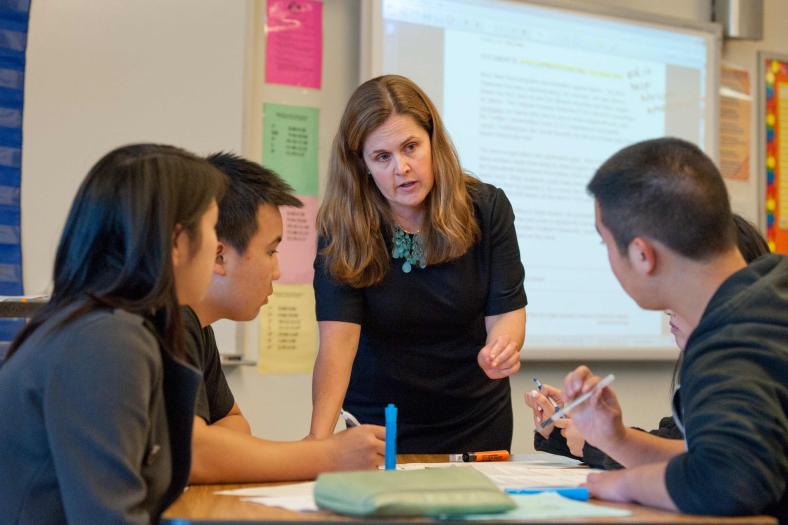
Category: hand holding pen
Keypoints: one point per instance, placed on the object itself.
(596, 412)
(358, 447)
(349, 419)
(542, 403)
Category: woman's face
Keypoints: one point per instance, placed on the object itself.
(679, 328)
(398, 155)
(193, 259)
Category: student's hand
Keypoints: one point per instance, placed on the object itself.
(500, 357)
(359, 448)
(541, 406)
(599, 418)
(610, 485)
(574, 439)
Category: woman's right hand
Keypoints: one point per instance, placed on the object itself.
(541, 407)
(358, 448)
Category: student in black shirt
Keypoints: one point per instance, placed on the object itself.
(663, 211)
(223, 449)
(564, 439)
(418, 281)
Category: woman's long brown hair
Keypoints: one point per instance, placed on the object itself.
(354, 213)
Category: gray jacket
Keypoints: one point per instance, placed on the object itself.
(85, 436)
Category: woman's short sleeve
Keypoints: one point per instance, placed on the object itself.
(335, 301)
(506, 292)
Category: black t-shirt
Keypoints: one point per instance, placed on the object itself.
(421, 333)
(214, 398)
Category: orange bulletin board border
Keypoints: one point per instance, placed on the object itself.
(774, 78)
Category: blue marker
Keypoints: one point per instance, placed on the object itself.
(391, 437)
(576, 493)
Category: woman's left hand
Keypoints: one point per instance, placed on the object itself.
(500, 357)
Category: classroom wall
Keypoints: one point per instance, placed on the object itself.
(105, 73)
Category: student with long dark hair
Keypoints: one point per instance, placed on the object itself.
(97, 408)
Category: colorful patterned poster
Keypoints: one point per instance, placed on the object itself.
(290, 136)
(299, 242)
(776, 119)
(294, 42)
(288, 330)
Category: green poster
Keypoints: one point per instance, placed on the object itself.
(290, 145)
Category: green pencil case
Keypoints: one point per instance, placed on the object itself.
(428, 492)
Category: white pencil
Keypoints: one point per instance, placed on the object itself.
(602, 384)
(350, 419)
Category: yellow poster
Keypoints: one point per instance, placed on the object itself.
(288, 330)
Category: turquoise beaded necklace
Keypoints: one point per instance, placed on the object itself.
(407, 245)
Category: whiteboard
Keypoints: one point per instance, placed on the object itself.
(535, 97)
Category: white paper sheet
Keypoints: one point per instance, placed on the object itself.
(550, 506)
(296, 503)
(522, 475)
(292, 489)
(515, 474)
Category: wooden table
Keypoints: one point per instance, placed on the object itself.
(199, 504)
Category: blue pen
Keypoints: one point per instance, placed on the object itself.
(539, 388)
(391, 437)
(576, 493)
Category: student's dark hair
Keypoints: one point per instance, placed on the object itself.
(249, 186)
(116, 247)
(667, 190)
(752, 245)
(749, 239)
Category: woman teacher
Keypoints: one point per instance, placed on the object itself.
(418, 281)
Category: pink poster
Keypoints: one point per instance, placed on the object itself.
(294, 42)
(299, 242)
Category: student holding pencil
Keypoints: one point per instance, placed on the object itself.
(99, 403)
(223, 448)
(663, 212)
(564, 439)
(418, 281)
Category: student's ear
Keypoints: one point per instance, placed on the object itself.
(642, 255)
(180, 247)
(218, 264)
